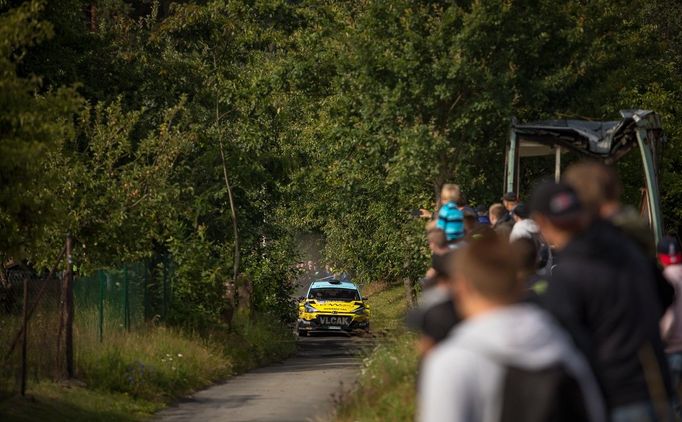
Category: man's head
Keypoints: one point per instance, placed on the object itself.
(510, 200)
(485, 276)
(669, 251)
(520, 212)
(597, 186)
(496, 212)
(470, 219)
(450, 193)
(558, 212)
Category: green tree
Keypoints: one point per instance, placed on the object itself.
(34, 123)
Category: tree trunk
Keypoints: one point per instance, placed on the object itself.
(233, 211)
(410, 296)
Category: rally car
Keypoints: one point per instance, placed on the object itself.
(332, 305)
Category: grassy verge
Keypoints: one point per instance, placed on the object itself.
(131, 375)
(386, 388)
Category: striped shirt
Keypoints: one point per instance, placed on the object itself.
(451, 221)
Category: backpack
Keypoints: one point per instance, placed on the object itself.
(545, 395)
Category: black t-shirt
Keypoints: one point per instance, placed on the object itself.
(439, 319)
(441, 263)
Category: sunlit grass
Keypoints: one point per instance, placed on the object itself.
(128, 375)
(49, 401)
(386, 387)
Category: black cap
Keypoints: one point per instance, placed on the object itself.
(556, 201)
(521, 211)
(510, 196)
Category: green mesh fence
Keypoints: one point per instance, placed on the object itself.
(107, 303)
(122, 299)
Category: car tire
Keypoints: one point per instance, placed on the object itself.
(302, 333)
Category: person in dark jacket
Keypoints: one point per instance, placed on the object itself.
(599, 189)
(603, 292)
(482, 213)
(510, 200)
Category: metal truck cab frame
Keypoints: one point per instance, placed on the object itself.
(607, 141)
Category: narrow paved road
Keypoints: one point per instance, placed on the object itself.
(299, 389)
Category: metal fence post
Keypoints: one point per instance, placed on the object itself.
(69, 311)
(145, 291)
(165, 287)
(24, 340)
(126, 304)
(102, 283)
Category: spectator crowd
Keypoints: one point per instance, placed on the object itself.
(557, 308)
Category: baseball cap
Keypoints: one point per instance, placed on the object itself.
(556, 201)
(510, 196)
(669, 251)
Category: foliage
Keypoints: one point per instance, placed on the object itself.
(337, 118)
(31, 127)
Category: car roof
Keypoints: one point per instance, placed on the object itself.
(333, 284)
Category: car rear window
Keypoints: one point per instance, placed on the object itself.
(345, 295)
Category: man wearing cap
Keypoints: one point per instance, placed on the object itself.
(603, 292)
(670, 257)
(510, 200)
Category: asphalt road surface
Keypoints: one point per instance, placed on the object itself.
(301, 388)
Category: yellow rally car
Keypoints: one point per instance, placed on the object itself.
(332, 305)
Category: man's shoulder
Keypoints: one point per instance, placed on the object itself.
(450, 356)
(458, 347)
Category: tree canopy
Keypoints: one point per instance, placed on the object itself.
(336, 118)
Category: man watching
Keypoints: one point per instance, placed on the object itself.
(501, 227)
(510, 200)
(507, 361)
(603, 292)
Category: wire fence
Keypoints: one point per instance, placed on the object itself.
(105, 303)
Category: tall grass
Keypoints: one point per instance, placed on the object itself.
(158, 363)
(386, 388)
(140, 369)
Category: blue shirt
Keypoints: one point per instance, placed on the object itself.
(451, 221)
